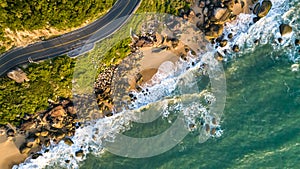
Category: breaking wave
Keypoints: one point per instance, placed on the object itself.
(163, 97)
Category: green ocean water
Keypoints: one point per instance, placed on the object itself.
(260, 122)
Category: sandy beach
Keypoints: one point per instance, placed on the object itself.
(10, 154)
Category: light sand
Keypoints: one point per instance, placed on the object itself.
(10, 154)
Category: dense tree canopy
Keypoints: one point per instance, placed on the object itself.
(42, 14)
(50, 79)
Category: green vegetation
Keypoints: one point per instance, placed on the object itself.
(163, 6)
(117, 52)
(42, 14)
(50, 79)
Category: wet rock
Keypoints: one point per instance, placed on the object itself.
(59, 136)
(285, 29)
(36, 155)
(214, 31)
(213, 131)
(297, 42)
(236, 48)
(230, 36)
(68, 141)
(223, 43)
(256, 8)
(79, 153)
(255, 19)
(265, 8)
(10, 133)
(214, 121)
(207, 127)
(47, 143)
(295, 67)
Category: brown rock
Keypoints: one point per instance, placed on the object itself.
(265, 8)
(28, 125)
(219, 12)
(10, 132)
(207, 128)
(229, 4)
(297, 42)
(58, 112)
(18, 75)
(71, 110)
(58, 125)
(25, 150)
(44, 133)
(214, 31)
(36, 155)
(213, 131)
(285, 29)
(68, 141)
(214, 121)
(59, 136)
(256, 8)
(223, 43)
(79, 153)
(230, 36)
(236, 48)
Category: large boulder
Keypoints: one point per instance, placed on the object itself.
(285, 29)
(25, 150)
(297, 42)
(68, 141)
(58, 112)
(264, 8)
(79, 153)
(219, 12)
(256, 8)
(214, 31)
(18, 75)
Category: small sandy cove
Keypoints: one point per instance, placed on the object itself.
(9, 152)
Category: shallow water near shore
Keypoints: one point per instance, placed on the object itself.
(260, 122)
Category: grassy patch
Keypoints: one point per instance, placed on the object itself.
(48, 80)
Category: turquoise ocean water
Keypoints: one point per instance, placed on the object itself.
(260, 122)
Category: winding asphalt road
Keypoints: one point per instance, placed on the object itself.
(104, 26)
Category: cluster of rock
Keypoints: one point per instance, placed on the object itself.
(103, 91)
(56, 124)
(212, 15)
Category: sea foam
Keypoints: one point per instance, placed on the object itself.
(90, 138)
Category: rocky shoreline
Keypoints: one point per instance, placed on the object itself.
(60, 121)
(53, 125)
